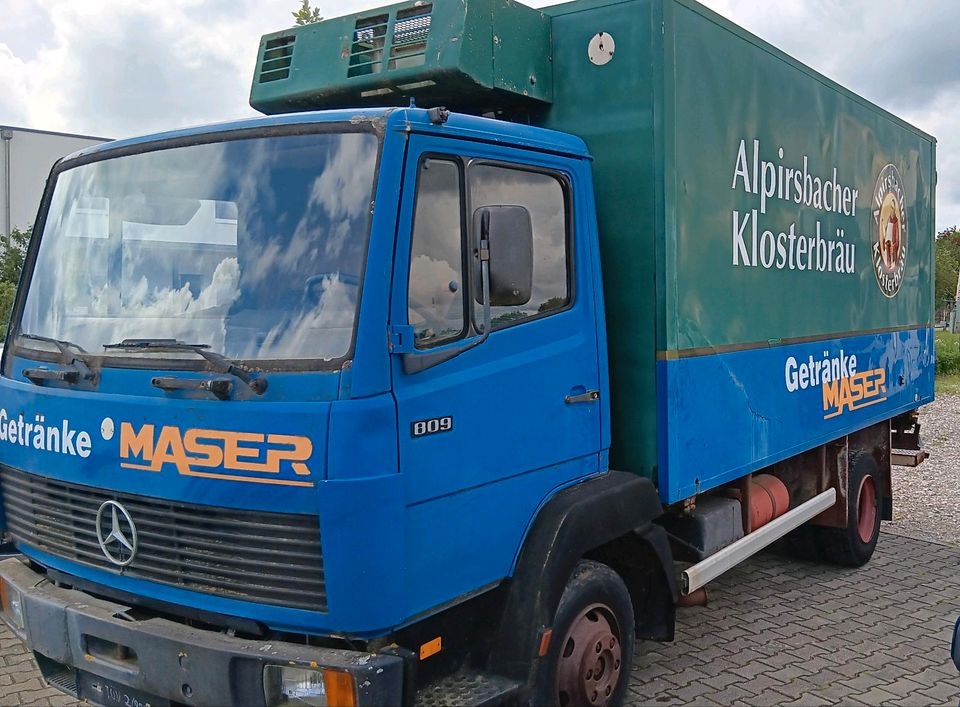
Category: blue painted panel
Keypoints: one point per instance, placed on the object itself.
(363, 438)
(103, 420)
(370, 371)
(732, 413)
(473, 491)
(466, 541)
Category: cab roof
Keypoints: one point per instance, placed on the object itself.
(381, 119)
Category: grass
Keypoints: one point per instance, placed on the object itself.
(947, 347)
(948, 384)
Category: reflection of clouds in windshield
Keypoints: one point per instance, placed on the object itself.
(163, 313)
(323, 331)
(343, 189)
(336, 209)
(142, 301)
(149, 267)
(255, 194)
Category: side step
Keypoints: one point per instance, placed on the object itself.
(912, 457)
(732, 555)
(467, 688)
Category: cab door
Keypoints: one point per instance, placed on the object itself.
(487, 435)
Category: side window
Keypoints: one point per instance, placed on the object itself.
(544, 197)
(435, 299)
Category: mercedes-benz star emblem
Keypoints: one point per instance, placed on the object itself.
(117, 533)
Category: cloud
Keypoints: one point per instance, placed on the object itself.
(14, 89)
(118, 69)
(112, 68)
(901, 56)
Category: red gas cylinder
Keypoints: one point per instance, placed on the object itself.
(769, 498)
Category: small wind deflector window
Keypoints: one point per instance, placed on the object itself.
(435, 291)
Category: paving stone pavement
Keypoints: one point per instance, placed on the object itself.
(779, 631)
(776, 632)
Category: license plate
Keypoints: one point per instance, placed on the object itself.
(99, 691)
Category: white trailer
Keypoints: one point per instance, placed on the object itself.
(26, 157)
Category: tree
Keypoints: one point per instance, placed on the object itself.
(947, 264)
(12, 252)
(306, 15)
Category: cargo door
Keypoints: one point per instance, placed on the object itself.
(486, 435)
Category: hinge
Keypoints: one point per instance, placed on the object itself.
(400, 338)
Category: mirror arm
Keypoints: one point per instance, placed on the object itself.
(416, 362)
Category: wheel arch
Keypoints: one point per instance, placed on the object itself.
(608, 518)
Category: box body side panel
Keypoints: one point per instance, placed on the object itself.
(687, 123)
(611, 108)
(803, 236)
(738, 108)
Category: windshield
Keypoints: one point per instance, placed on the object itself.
(251, 246)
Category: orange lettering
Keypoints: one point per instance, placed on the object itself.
(302, 449)
(139, 444)
(233, 451)
(831, 395)
(208, 455)
(203, 448)
(170, 450)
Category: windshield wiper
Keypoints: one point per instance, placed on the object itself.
(62, 344)
(74, 371)
(221, 364)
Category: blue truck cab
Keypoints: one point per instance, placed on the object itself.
(338, 482)
(379, 404)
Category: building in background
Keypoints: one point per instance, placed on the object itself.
(26, 157)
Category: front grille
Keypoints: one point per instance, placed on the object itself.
(269, 558)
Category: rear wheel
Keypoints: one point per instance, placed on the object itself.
(591, 653)
(854, 545)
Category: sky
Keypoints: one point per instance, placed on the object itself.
(117, 68)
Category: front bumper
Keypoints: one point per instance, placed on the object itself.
(170, 660)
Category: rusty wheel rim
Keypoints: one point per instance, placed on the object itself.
(867, 509)
(589, 664)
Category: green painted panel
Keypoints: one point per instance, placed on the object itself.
(775, 174)
(665, 119)
(612, 108)
(478, 53)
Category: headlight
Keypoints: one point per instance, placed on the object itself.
(12, 603)
(321, 687)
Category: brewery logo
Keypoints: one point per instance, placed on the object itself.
(889, 251)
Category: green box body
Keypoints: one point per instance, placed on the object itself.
(689, 121)
(488, 53)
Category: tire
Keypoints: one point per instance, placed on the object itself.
(844, 546)
(594, 619)
(853, 546)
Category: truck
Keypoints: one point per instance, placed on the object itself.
(26, 156)
(502, 332)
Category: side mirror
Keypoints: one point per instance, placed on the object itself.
(508, 231)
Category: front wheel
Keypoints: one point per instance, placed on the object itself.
(588, 663)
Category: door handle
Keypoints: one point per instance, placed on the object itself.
(591, 396)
